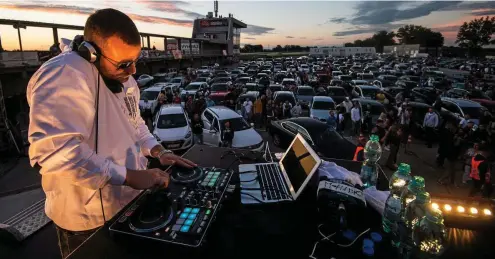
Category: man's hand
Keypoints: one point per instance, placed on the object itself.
(171, 159)
(145, 179)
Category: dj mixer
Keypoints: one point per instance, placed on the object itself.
(180, 214)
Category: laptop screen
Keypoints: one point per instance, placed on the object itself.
(299, 162)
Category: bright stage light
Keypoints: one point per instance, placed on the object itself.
(447, 207)
(435, 206)
(487, 212)
(473, 210)
(460, 209)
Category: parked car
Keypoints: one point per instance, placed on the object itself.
(320, 107)
(148, 98)
(337, 93)
(144, 80)
(171, 127)
(458, 108)
(282, 96)
(318, 134)
(245, 137)
(304, 95)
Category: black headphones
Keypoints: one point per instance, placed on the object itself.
(91, 53)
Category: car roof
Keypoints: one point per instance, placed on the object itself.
(368, 87)
(284, 92)
(360, 81)
(153, 89)
(171, 109)
(335, 87)
(322, 99)
(419, 104)
(223, 113)
(367, 101)
(462, 102)
(197, 83)
(253, 92)
(178, 77)
(288, 79)
(304, 87)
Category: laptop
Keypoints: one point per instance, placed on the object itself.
(282, 181)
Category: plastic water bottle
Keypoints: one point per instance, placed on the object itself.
(372, 153)
(415, 186)
(391, 219)
(416, 209)
(429, 234)
(400, 179)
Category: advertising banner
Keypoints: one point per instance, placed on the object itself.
(213, 23)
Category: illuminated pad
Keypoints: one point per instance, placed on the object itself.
(210, 179)
(186, 220)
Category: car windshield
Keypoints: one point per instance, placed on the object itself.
(219, 87)
(336, 92)
(170, 121)
(474, 112)
(192, 87)
(305, 91)
(375, 109)
(161, 79)
(235, 72)
(237, 124)
(345, 78)
(201, 79)
(176, 81)
(367, 76)
(411, 84)
(323, 105)
(391, 78)
(370, 93)
(281, 98)
(149, 95)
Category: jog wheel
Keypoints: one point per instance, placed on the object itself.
(184, 175)
(155, 213)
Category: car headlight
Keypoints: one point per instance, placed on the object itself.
(189, 134)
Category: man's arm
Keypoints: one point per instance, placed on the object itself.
(62, 117)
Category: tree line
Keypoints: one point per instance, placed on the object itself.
(472, 36)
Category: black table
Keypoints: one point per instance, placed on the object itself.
(257, 231)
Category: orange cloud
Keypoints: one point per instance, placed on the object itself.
(86, 11)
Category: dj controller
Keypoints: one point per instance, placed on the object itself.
(180, 214)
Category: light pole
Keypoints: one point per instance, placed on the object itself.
(19, 27)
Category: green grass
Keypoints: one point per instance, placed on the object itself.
(274, 54)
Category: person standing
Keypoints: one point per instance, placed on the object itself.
(332, 120)
(296, 111)
(480, 173)
(87, 138)
(356, 119)
(430, 123)
(227, 135)
(248, 109)
(257, 110)
(286, 109)
(347, 104)
(197, 129)
(393, 138)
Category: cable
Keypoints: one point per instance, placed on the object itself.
(267, 189)
(252, 180)
(327, 237)
(96, 138)
(252, 196)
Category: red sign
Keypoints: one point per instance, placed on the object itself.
(213, 22)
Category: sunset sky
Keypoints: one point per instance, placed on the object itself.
(307, 23)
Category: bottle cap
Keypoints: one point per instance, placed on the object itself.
(368, 243)
(369, 251)
(349, 234)
(416, 184)
(374, 138)
(434, 215)
(376, 237)
(423, 197)
(404, 168)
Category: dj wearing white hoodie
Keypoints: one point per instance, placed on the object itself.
(86, 132)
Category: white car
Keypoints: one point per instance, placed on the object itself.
(194, 87)
(245, 137)
(304, 68)
(178, 82)
(148, 99)
(171, 127)
(144, 80)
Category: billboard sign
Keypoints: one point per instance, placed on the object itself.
(213, 23)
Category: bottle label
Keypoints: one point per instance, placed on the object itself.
(342, 188)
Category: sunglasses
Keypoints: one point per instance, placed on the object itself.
(122, 64)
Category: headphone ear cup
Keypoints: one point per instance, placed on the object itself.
(88, 52)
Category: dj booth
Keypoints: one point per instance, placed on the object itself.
(278, 230)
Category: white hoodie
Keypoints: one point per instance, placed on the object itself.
(62, 96)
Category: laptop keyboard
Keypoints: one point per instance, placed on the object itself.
(270, 180)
